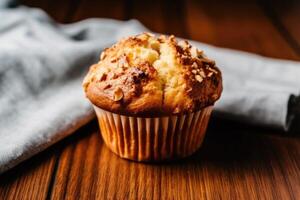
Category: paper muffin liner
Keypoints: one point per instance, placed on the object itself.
(153, 139)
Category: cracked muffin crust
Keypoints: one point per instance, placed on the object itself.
(146, 75)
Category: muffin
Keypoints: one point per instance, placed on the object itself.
(153, 96)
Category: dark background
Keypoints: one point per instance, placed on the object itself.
(237, 161)
(251, 25)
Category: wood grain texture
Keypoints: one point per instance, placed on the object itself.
(241, 26)
(285, 17)
(144, 12)
(236, 161)
(30, 179)
(106, 9)
(59, 10)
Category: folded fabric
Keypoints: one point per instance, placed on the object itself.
(42, 64)
(257, 90)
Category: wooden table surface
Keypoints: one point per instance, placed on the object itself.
(237, 161)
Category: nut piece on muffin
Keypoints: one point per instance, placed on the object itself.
(153, 97)
(148, 76)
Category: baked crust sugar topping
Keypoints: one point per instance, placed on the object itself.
(147, 75)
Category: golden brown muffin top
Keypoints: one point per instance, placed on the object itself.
(146, 75)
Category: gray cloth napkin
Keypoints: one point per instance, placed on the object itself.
(42, 64)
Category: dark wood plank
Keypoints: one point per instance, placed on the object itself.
(232, 164)
(285, 17)
(236, 161)
(31, 179)
(76, 159)
(104, 9)
(37, 178)
(245, 26)
(176, 24)
(239, 25)
(60, 11)
(61, 177)
(149, 13)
